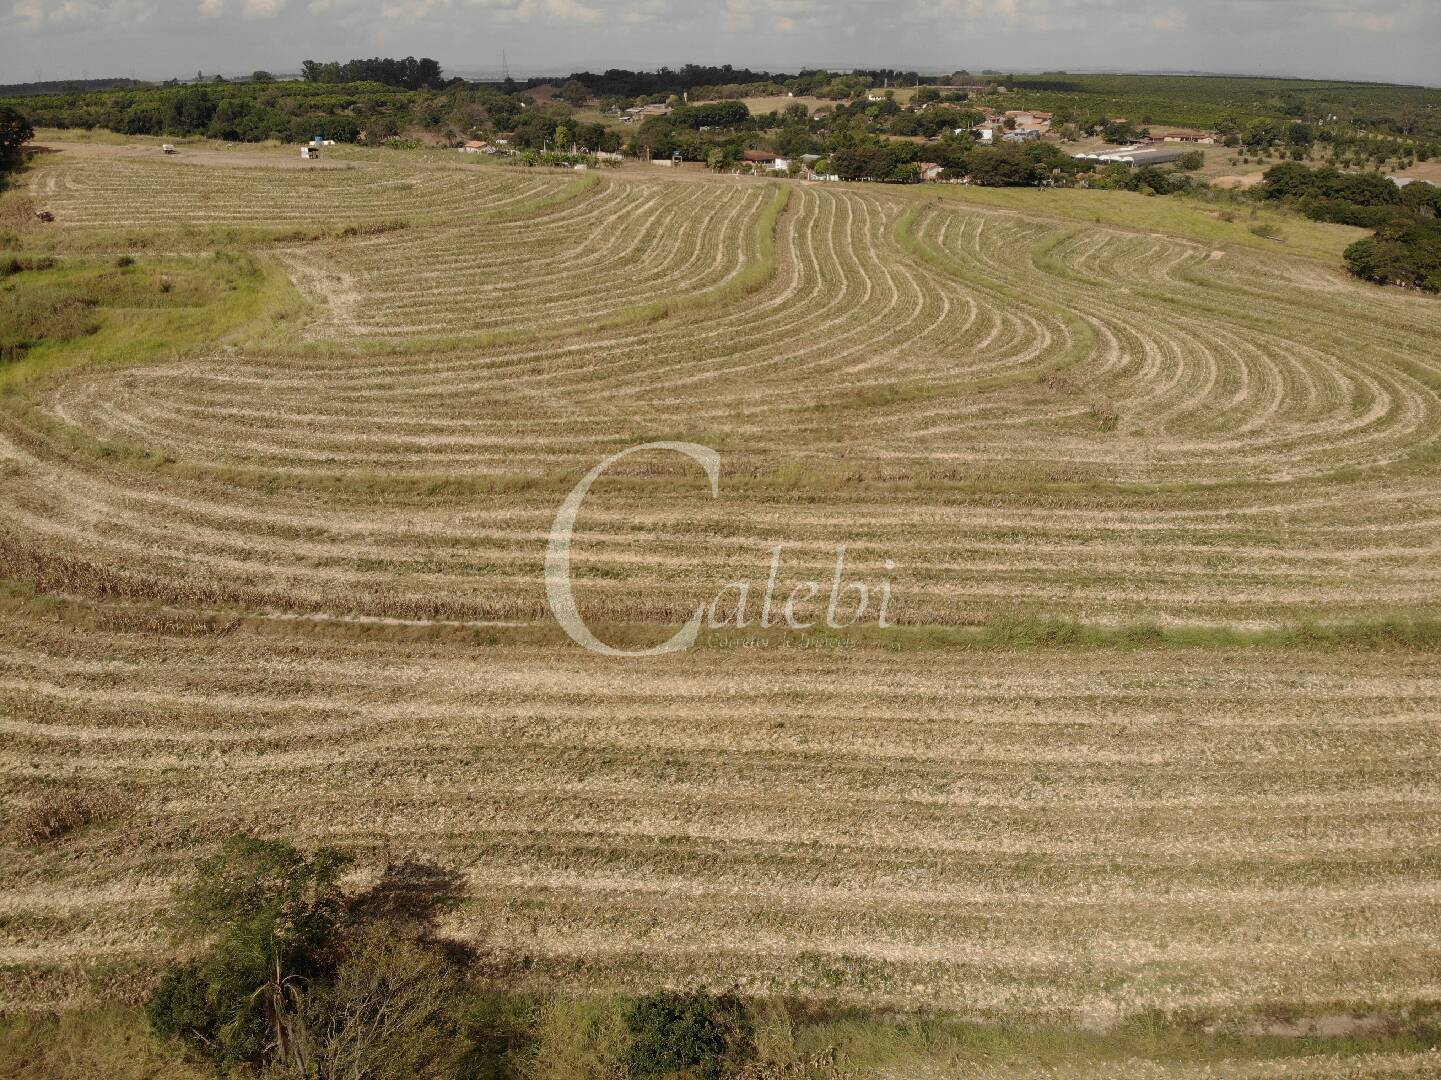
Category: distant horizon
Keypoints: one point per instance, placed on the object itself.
(495, 73)
(150, 39)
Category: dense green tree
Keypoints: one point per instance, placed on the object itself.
(574, 93)
(1002, 167)
(1406, 253)
(273, 912)
(15, 132)
(716, 114)
(695, 1034)
(1119, 132)
(410, 73)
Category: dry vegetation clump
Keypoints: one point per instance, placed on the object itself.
(55, 813)
(1105, 415)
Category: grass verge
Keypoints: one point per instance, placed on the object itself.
(519, 1036)
(1177, 215)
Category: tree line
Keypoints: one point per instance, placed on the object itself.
(1405, 249)
(409, 73)
(15, 132)
(295, 973)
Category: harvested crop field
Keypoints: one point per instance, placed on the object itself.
(290, 579)
(1079, 835)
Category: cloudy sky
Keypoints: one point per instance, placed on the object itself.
(1398, 41)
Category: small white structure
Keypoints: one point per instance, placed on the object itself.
(169, 148)
(1134, 155)
(644, 112)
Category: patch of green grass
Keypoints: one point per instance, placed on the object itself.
(1014, 634)
(1082, 338)
(561, 1037)
(113, 1043)
(1175, 215)
(30, 315)
(136, 312)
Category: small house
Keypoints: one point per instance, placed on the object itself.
(1029, 119)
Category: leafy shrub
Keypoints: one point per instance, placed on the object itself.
(19, 264)
(695, 1034)
(211, 1005)
(391, 1011)
(32, 314)
(1406, 253)
(1341, 212)
(276, 912)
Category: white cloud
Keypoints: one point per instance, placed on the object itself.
(572, 11)
(31, 12)
(1355, 20)
(38, 13)
(646, 11)
(1168, 21)
(409, 10)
